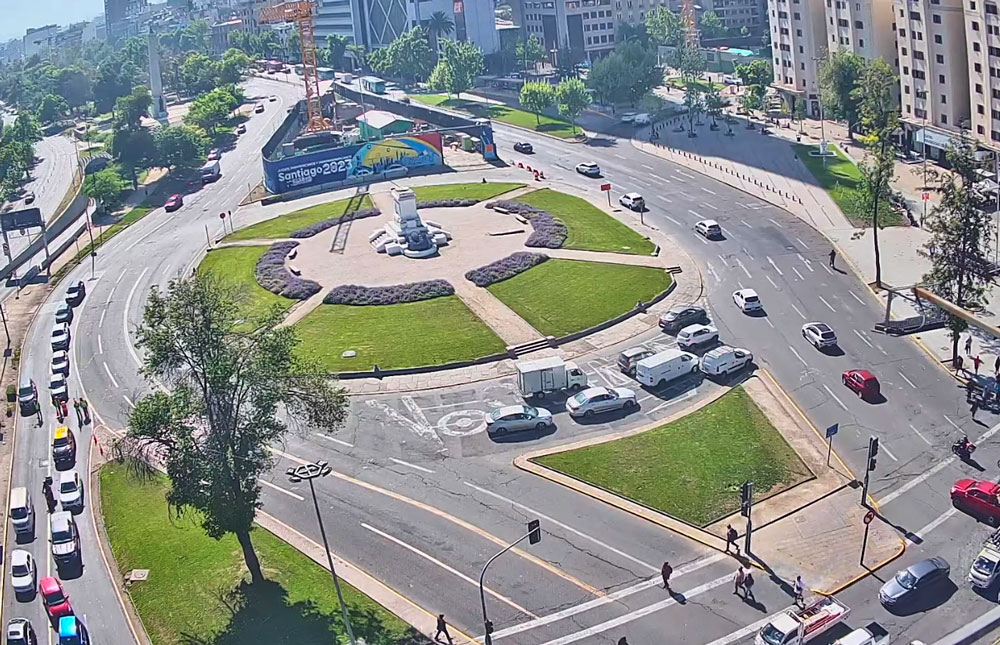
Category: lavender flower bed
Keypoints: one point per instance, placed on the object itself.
(352, 294)
(447, 203)
(506, 268)
(549, 231)
(319, 227)
(272, 274)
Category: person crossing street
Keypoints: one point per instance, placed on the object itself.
(665, 571)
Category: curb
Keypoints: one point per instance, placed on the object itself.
(869, 571)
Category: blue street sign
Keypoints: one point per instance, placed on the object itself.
(832, 430)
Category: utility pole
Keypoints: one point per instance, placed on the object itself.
(869, 467)
(534, 536)
(746, 506)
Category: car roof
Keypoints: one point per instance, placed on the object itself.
(820, 326)
(177, 195)
(589, 163)
(635, 351)
(594, 391)
(864, 374)
(17, 627)
(19, 557)
(509, 409)
(60, 521)
(61, 432)
(988, 487)
(633, 195)
(26, 382)
(68, 627)
(709, 222)
(924, 567)
(679, 309)
(68, 475)
(49, 585)
(697, 327)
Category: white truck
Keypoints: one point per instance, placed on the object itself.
(986, 566)
(543, 375)
(798, 626)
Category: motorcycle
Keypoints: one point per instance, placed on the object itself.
(963, 449)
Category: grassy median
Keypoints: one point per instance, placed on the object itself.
(198, 589)
(691, 468)
(478, 191)
(503, 113)
(235, 265)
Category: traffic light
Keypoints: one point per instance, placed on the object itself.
(872, 452)
(489, 627)
(746, 495)
(534, 532)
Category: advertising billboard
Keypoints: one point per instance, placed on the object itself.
(355, 161)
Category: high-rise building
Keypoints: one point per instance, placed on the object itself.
(119, 18)
(982, 59)
(39, 40)
(864, 27)
(798, 40)
(586, 26)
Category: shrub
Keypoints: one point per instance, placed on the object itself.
(319, 227)
(352, 294)
(447, 203)
(549, 232)
(272, 274)
(506, 268)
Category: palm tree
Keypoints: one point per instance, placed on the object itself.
(439, 25)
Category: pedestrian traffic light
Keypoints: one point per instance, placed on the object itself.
(534, 532)
(746, 495)
(872, 452)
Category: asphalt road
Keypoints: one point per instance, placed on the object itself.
(420, 498)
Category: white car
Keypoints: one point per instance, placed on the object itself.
(589, 168)
(512, 418)
(708, 228)
(57, 386)
(70, 490)
(60, 336)
(697, 335)
(628, 117)
(60, 362)
(747, 300)
(819, 334)
(23, 575)
(632, 201)
(595, 400)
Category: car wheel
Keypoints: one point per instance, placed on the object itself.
(661, 382)
(957, 503)
(500, 431)
(541, 425)
(816, 345)
(588, 413)
(993, 520)
(631, 404)
(575, 387)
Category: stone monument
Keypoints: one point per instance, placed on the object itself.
(159, 106)
(407, 234)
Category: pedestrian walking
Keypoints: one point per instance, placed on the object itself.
(622, 641)
(958, 364)
(731, 536)
(968, 345)
(442, 628)
(976, 362)
(86, 410)
(996, 367)
(79, 414)
(800, 590)
(738, 579)
(833, 258)
(748, 587)
(665, 571)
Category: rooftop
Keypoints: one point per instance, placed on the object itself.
(379, 119)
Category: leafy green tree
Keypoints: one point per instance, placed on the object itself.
(440, 24)
(200, 73)
(211, 109)
(799, 112)
(713, 104)
(106, 187)
(336, 46)
(710, 25)
(537, 96)
(692, 102)
(664, 27)
(194, 37)
(626, 75)
(213, 428)
(179, 145)
(567, 59)
(408, 57)
(52, 108)
(130, 109)
(530, 51)
(629, 33)
(460, 64)
(838, 81)
(25, 130)
(235, 65)
(759, 72)
(572, 98)
(74, 87)
(359, 54)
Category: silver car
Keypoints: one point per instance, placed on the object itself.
(23, 575)
(60, 336)
(596, 400)
(914, 582)
(513, 418)
(70, 490)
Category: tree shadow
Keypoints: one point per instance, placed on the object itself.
(262, 613)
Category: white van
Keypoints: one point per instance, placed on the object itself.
(725, 360)
(22, 513)
(661, 368)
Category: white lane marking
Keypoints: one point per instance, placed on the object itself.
(936, 522)
(664, 180)
(775, 223)
(771, 281)
(647, 167)
(910, 383)
(100, 322)
(129, 401)
(916, 481)
(863, 339)
(797, 311)
(920, 435)
(128, 303)
(745, 223)
(774, 266)
(885, 448)
(409, 465)
(828, 269)
(855, 297)
(804, 245)
(100, 345)
(768, 321)
(742, 633)
(282, 490)
(673, 220)
(711, 269)
(110, 375)
(710, 192)
(639, 613)
(953, 424)
(743, 205)
(666, 199)
(695, 213)
(334, 439)
(798, 357)
(797, 273)
(712, 206)
(748, 253)
(828, 305)
(449, 569)
(701, 239)
(619, 156)
(835, 397)
(686, 174)
(739, 262)
(566, 527)
(806, 262)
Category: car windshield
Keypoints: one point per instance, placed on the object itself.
(581, 398)
(57, 332)
(53, 597)
(752, 298)
(26, 390)
(496, 414)
(19, 569)
(59, 442)
(772, 635)
(827, 335)
(68, 486)
(19, 512)
(906, 580)
(62, 536)
(984, 566)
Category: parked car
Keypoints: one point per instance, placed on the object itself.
(978, 498)
(214, 154)
(629, 358)
(60, 336)
(173, 203)
(27, 396)
(20, 632)
(696, 336)
(23, 575)
(681, 316)
(259, 108)
(914, 582)
(55, 599)
(272, 98)
(821, 335)
(63, 447)
(708, 228)
(60, 362)
(64, 314)
(524, 146)
(241, 128)
(65, 538)
(862, 382)
(75, 293)
(512, 418)
(22, 512)
(632, 201)
(589, 169)
(595, 400)
(725, 360)
(70, 490)
(747, 300)
(663, 367)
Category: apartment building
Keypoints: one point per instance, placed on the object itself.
(586, 26)
(982, 39)
(734, 14)
(39, 40)
(120, 17)
(798, 35)
(863, 27)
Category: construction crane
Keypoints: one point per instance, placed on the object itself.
(301, 13)
(691, 40)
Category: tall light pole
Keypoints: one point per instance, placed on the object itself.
(534, 536)
(309, 472)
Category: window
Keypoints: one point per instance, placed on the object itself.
(979, 108)
(944, 118)
(995, 135)
(802, 66)
(979, 88)
(906, 89)
(861, 42)
(858, 24)
(972, 4)
(975, 47)
(901, 14)
(906, 70)
(915, 15)
(919, 35)
(936, 19)
(798, 32)
(797, 15)
(902, 33)
(979, 129)
(941, 78)
(975, 26)
(842, 23)
(904, 51)
(917, 74)
(918, 55)
(978, 68)
(944, 99)
(938, 40)
(920, 114)
(801, 50)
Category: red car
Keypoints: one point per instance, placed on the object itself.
(172, 204)
(862, 382)
(977, 498)
(56, 600)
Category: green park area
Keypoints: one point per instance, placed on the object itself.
(479, 191)
(235, 266)
(198, 589)
(559, 297)
(691, 468)
(284, 225)
(840, 177)
(700, 84)
(503, 113)
(590, 228)
(429, 332)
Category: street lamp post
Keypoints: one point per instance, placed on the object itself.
(309, 472)
(534, 536)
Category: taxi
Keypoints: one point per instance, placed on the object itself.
(63, 446)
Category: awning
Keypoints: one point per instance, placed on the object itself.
(933, 139)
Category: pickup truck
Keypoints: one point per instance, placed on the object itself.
(798, 626)
(986, 566)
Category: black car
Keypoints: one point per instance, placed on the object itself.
(523, 146)
(75, 293)
(680, 317)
